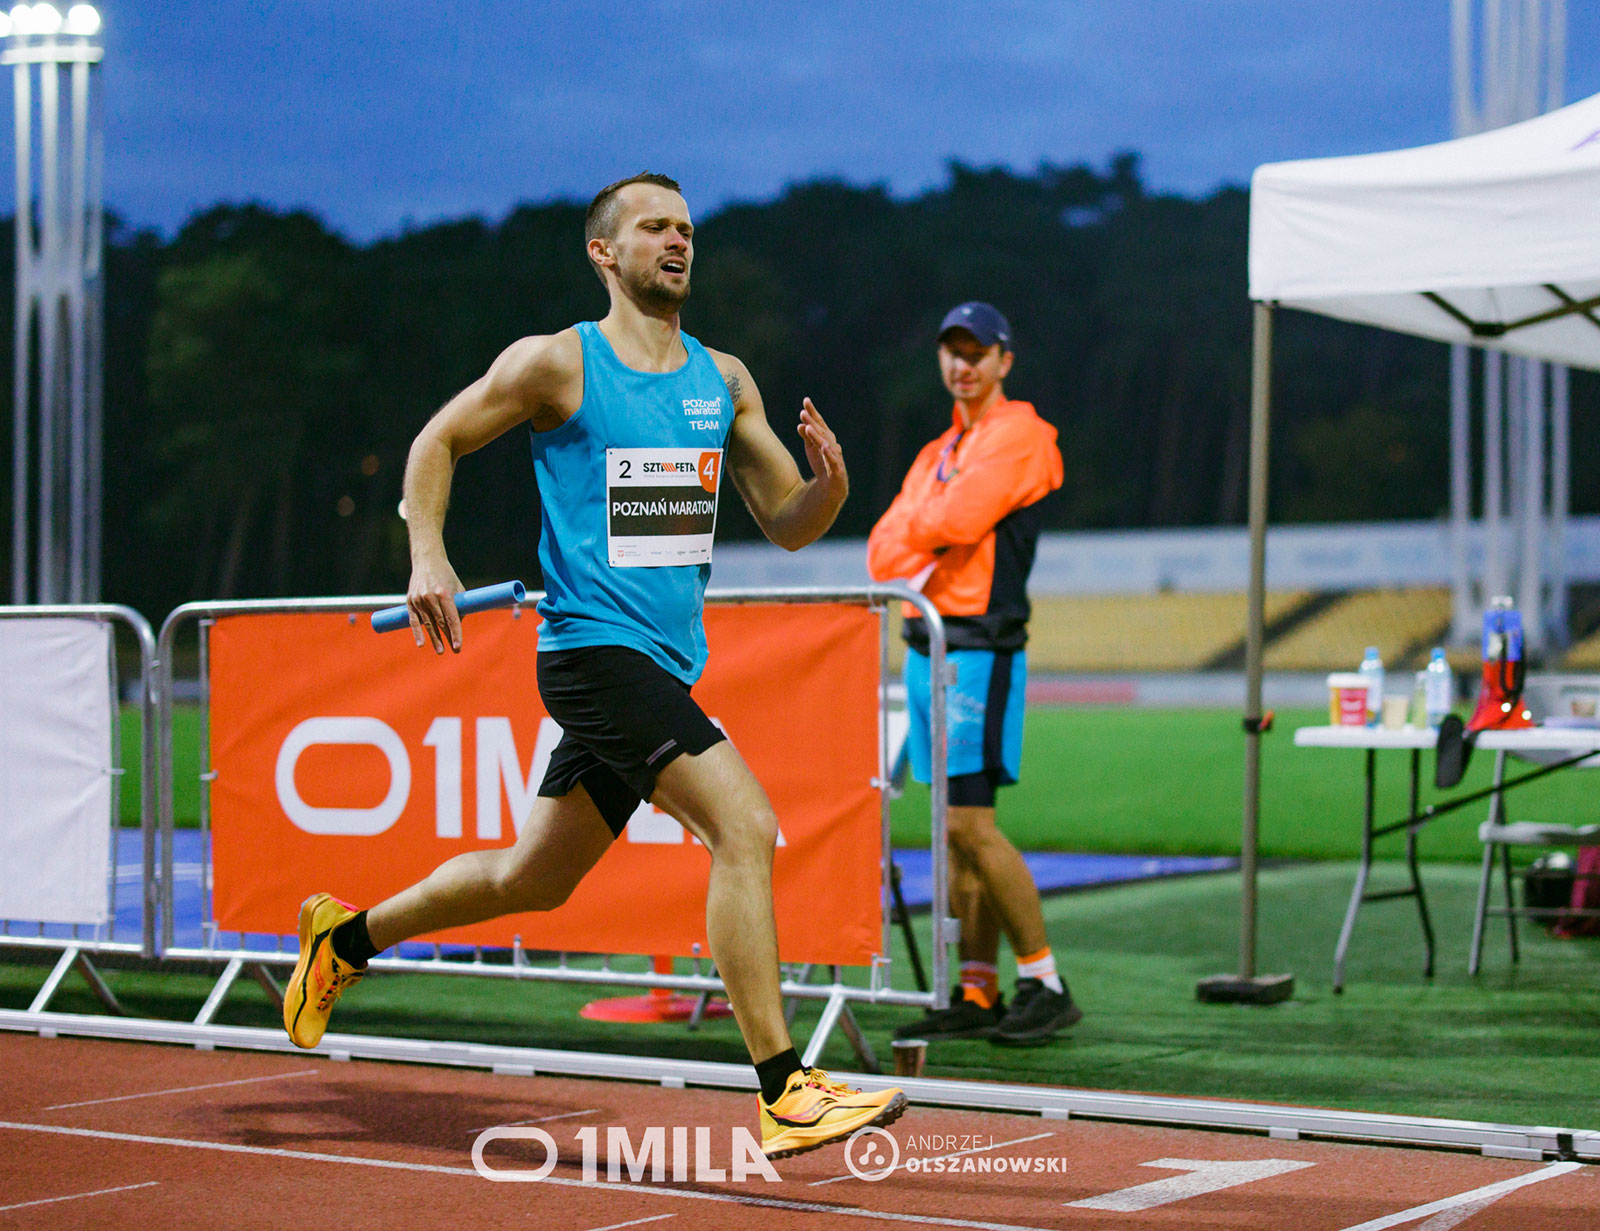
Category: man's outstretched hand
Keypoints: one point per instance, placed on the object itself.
(822, 449)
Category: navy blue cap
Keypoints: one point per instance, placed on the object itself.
(983, 321)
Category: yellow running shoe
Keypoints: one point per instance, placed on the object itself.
(320, 976)
(814, 1110)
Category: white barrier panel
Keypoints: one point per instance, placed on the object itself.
(55, 770)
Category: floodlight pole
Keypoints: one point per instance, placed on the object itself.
(59, 316)
(1247, 987)
(1508, 63)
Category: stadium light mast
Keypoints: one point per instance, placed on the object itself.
(57, 378)
(1508, 60)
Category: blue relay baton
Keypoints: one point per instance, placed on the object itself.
(506, 594)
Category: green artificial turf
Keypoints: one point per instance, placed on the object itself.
(1157, 781)
(1145, 781)
(186, 764)
(1512, 1046)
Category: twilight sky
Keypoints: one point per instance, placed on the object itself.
(380, 113)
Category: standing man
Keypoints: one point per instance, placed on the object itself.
(622, 639)
(964, 528)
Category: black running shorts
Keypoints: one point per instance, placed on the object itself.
(623, 719)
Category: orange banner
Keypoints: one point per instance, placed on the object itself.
(357, 763)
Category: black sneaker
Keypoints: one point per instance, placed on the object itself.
(964, 1019)
(1036, 1014)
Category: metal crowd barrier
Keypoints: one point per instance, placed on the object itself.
(259, 962)
(76, 946)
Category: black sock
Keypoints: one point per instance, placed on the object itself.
(351, 942)
(774, 1073)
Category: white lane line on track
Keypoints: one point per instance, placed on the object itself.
(834, 1179)
(99, 1192)
(560, 1115)
(353, 1160)
(1487, 1194)
(210, 1085)
(616, 1226)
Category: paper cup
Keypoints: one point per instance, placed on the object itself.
(909, 1056)
(1347, 699)
(1395, 712)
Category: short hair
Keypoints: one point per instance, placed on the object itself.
(600, 219)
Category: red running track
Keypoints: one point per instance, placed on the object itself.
(110, 1134)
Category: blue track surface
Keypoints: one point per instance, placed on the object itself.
(1054, 871)
(1051, 871)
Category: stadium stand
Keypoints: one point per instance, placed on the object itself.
(1144, 632)
(1403, 623)
(1307, 631)
(1584, 654)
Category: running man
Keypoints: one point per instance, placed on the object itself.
(964, 528)
(622, 639)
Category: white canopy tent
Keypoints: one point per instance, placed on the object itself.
(1492, 240)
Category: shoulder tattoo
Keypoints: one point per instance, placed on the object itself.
(735, 388)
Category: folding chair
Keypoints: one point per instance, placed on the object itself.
(1551, 699)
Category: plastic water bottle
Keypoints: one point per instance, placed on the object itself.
(1372, 668)
(1441, 687)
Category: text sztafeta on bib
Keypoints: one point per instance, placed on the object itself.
(661, 506)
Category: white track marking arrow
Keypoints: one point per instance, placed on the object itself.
(1203, 1177)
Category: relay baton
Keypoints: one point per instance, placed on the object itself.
(506, 594)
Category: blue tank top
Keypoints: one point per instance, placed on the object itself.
(628, 489)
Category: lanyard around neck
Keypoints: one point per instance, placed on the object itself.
(947, 454)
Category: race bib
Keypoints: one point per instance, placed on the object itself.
(661, 506)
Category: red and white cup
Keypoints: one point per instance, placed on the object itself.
(1347, 699)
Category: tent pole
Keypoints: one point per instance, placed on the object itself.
(1530, 580)
(1560, 501)
(1247, 986)
(1494, 572)
(1462, 613)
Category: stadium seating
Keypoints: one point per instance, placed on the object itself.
(1143, 632)
(1403, 624)
(1584, 655)
(1199, 631)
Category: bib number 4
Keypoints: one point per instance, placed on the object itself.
(661, 506)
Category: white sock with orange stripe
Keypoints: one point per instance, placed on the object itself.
(1040, 966)
(980, 983)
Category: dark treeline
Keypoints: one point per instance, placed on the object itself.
(265, 376)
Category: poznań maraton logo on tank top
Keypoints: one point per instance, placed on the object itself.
(661, 506)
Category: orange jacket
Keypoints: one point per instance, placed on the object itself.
(967, 508)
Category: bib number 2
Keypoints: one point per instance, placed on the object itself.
(661, 506)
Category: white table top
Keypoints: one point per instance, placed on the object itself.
(1533, 739)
